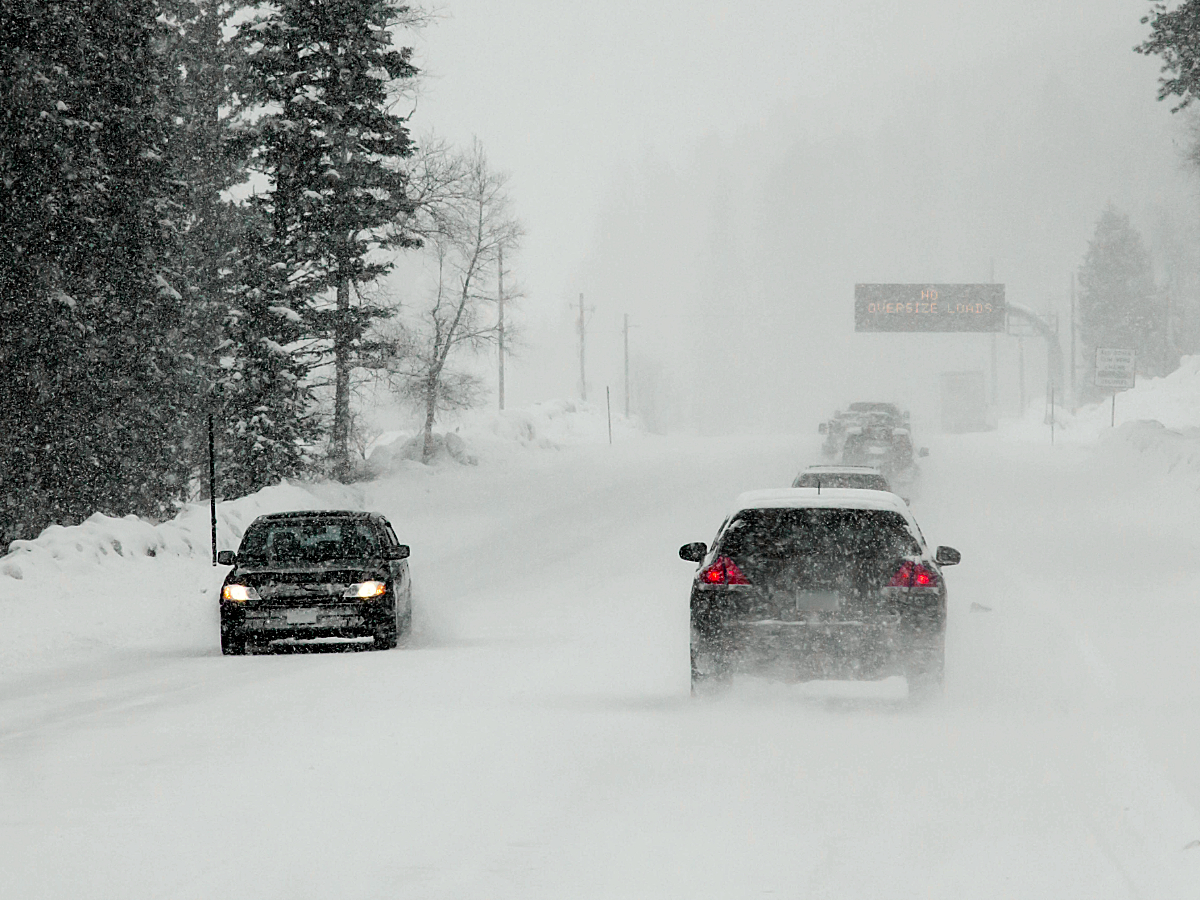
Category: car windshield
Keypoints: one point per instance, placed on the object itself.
(309, 540)
(861, 480)
(887, 409)
(760, 535)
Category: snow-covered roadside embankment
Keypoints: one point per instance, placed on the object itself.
(119, 585)
(112, 585)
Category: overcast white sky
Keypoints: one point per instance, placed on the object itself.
(1007, 123)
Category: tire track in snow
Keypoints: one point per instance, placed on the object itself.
(1039, 517)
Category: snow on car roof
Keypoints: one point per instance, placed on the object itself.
(829, 498)
(874, 407)
(317, 514)
(846, 470)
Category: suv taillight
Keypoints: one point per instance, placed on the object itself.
(913, 574)
(723, 571)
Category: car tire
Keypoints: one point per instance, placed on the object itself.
(387, 634)
(710, 670)
(233, 643)
(404, 629)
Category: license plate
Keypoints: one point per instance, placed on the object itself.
(301, 617)
(818, 601)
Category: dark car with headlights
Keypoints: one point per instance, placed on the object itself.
(805, 584)
(316, 574)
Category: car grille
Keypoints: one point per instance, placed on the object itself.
(304, 587)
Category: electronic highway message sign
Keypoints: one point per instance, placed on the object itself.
(929, 307)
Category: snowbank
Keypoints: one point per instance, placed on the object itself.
(1151, 445)
(104, 541)
(110, 587)
(403, 451)
(1157, 425)
(127, 585)
(552, 424)
(1172, 401)
(542, 426)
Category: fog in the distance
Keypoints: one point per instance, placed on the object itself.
(725, 172)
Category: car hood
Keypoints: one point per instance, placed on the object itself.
(335, 572)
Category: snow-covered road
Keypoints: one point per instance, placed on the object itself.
(537, 738)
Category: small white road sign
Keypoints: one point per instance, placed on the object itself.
(1115, 368)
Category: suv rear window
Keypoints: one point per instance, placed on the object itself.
(309, 540)
(779, 534)
(863, 481)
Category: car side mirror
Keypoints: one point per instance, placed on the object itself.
(693, 552)
(822, 428)
(947, 556)
(226, 558)
(923, 452)
(400, 551)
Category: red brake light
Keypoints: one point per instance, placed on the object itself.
(723, 571)
(911, 574)
(903, 576)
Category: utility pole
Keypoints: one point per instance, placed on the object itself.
(582, 342)
(626, 334)
(608, 408)
(500, 325)
(1021, 372)
(1169, 361)
(1074, 396)
(995, 368)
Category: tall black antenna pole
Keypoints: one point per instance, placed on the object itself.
(212, 486)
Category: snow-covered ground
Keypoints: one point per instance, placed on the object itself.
(537, 738)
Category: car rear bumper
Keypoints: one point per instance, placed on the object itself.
(798, 650)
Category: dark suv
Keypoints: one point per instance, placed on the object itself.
(800, 585)
(316, 574)
(872, 434)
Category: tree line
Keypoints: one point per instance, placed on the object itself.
(198, 197)
(1122, 304)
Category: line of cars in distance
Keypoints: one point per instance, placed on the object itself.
(828, 579)
(877, 435)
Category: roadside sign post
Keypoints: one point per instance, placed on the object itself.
(1115, 369)
(608, 407)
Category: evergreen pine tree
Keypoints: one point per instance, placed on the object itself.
(268, 415)
(1119, 305)
(202, 156)
(319, 81)
(89, 319)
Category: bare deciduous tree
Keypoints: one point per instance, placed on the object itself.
(465, 221)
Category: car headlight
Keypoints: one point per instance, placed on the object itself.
(366, 589)
(238, 593)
